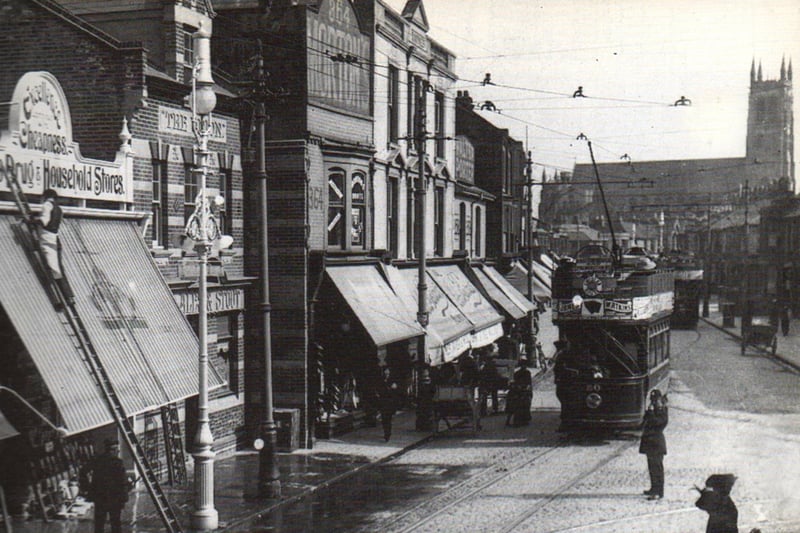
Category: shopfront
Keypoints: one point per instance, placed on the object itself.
(364, 329)
(134, 326)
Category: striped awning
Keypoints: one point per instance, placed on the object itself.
(460, 317)
(508, 289)
(138, 332)
(498, 296)
(374, 303)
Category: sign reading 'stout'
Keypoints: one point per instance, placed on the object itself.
(39, 151)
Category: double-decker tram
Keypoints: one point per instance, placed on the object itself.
(613, 318)
(688, 287)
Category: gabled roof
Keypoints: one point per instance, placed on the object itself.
(415, 13)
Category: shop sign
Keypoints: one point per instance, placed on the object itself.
(337, 46)
(38, 148)
(219, 301)
(176, 121)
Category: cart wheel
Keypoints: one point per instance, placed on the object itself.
(774, 345)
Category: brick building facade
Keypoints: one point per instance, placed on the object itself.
(120, 94)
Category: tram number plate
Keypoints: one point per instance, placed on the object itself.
(593, 387)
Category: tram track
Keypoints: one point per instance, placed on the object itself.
(499, 470)
(556, 494)
(424, 517)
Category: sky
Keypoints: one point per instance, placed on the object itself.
(633, 58)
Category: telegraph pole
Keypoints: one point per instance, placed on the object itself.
(531, 344)
(424, 421)
(269, 483)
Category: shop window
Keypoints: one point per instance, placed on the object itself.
(357, 210)
(227, 349)
(392, 215)
(336, 206)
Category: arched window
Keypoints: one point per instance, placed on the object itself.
(336, 205)
(357, 210)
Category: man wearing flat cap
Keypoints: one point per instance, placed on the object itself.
(108, 488)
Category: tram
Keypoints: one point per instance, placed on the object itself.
(688, 287)
(613, 318)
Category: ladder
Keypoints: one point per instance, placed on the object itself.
(72, 323)
(173, 444)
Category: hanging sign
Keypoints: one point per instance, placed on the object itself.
(39, 151)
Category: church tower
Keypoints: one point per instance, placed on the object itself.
(770, 127)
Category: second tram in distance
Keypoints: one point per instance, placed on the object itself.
(613, 318)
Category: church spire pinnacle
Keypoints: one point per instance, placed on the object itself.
(753, 71)
(789, 72)
(760, 76)
(783, 68)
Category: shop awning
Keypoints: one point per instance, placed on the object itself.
(518, 277)
(448, 333)
(374, 303)
(498, 296)
(141, 337)
(6, 429)
(460, 317)
(508, 289)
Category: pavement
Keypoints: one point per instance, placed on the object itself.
(305, 471)
(788, 347)
(302, 472)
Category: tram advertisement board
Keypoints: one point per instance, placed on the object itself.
(638, 308)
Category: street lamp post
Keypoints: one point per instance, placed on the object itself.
(204, 516)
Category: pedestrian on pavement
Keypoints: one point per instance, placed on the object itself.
(488, 380)
(520, 394)
(786, 315)
(108, 487)
(49, 222)
(653, 443)
(715, 499)
(468, 370)
(389, 402)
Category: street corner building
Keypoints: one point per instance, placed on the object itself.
(102, 121)
(367, 178)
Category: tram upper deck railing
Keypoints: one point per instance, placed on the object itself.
(595, 286)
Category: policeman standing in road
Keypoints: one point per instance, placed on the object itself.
(653, 443)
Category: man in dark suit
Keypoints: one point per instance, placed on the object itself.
(108, 488)
(653, 443)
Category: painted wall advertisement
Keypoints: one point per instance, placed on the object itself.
(219, 301)
(336, 46)
(38, 149)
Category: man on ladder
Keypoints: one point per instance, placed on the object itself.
(50, 221)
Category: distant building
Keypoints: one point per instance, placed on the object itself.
(685, 190)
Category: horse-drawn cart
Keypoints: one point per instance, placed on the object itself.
(455, 404)
(759, 334)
